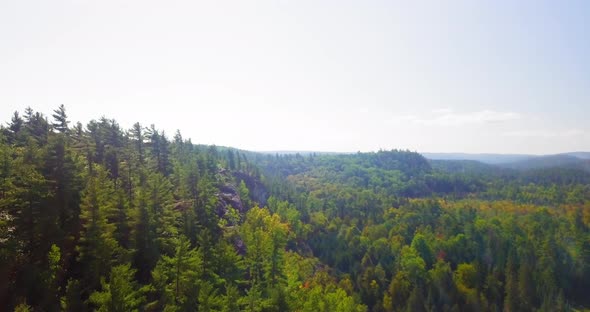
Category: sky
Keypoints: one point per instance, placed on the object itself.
(342, 76)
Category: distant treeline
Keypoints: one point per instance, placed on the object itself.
(99, 218)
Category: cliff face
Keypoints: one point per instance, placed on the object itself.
(258, 192)
(229, 196)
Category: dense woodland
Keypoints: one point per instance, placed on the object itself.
(96, 217)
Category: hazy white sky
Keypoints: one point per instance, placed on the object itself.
(432, 76)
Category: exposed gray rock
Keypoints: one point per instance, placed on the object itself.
(228, 196)
(258, 191)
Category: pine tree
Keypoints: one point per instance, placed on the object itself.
(265, 237)
(120, 294)
(144, 237)
(209, 300)
(160, 203)
(98, 248)
(61, 119)
(229, 302)
(137, 135)
(244, 195)
(176, 279)
(26, 194)
(62, 170)
(159, 151)
(154, 223)
(37, 126)
(15, 129)
(51, 301)
(122, 220)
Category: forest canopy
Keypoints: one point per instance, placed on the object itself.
(99, 218)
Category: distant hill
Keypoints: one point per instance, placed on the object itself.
(464, 166)
(581, 155)
(485, 158)
(303, 153)
(575, 160)
(542, 170)
(550, 161)
(492, 159)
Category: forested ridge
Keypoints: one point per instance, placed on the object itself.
(99, 218)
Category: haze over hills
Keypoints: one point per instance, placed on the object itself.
(520, 161)
(484, 158)
(574, 160)
(582, 155)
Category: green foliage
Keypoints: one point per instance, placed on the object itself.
(413, 264)
(54, 267)
(98, 249)
(23, 307)
(98, 218)
(61, 119)
(176, 279)
(244, 194)
(120, 294)
(229, 302)
(72, 300)
(265, 237)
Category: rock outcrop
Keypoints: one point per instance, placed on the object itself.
(228, 196)
(258, 191)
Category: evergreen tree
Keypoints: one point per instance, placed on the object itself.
(61, 119)
(138, 137)
(177, 279)
(244, 195)
(265, 238)
(120, 294)
(98, 248)
(229, 302)
(51, 301)
(154, 223)
(14, 129)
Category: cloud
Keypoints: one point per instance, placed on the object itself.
(447, 117)
(545, 133)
